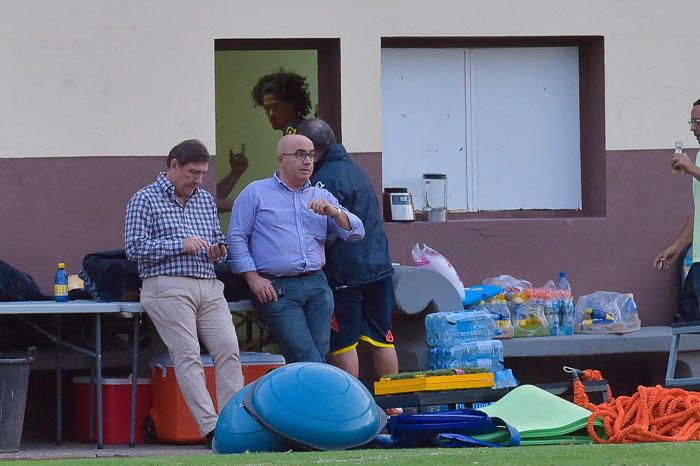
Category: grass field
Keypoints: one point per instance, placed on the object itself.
(676, 454)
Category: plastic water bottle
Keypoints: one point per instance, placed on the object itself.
(433, 357)
(489, 364)
(476, 325)
(629, 309)
(476, 349)
(678, 146)
(449, 328)
(564, 284)
(552, 312)
(438, 332)
(566, 326)
(504, 378)
(60, 283)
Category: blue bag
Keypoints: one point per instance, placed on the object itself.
(477, 293)
(447, 428)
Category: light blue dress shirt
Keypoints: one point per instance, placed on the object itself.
(272, 230)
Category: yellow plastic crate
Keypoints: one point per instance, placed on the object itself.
(422, 383)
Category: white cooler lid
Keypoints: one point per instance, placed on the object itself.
(251, 357)
(247, 358)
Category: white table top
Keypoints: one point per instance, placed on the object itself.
(83, 306)
(86, 306)
(135, 307)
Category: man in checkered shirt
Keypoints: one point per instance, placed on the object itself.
(173, 232)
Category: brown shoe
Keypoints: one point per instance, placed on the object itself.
(209, 438)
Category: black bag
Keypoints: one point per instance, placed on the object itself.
(235, 286)
(110, 276)
(16, 285)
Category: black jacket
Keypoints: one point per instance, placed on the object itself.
(366, 261)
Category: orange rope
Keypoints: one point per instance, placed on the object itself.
(652, 414)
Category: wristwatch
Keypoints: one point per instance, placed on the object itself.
(338, 211)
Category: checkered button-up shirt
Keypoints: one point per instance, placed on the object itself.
(157, 224)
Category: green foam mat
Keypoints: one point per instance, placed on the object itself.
(540, 417)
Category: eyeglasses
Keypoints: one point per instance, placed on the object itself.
(694, 121)
(301, 154)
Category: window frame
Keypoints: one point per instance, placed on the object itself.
(328, 58)
(591, 113)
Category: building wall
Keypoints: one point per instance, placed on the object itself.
(95, 92)
(97, 77)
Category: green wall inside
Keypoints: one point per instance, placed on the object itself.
(239, 121)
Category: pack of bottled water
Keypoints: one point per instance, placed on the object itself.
(464, 339)
(453, 327)
(484, 354)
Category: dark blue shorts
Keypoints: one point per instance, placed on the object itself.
(363, 313)
(690, 295)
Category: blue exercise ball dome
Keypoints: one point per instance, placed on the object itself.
(316, 406)
(237, 432)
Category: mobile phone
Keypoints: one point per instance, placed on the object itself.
(223, 244)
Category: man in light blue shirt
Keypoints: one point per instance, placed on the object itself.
(277, 233)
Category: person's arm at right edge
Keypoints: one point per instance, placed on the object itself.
(683, 162)
(670, 255)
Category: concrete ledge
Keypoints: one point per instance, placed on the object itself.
(646, 340)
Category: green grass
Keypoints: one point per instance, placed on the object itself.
(675, 454)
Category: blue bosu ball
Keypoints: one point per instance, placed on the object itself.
(237, 432)
(315, 406)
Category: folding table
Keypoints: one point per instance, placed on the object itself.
(59, 309)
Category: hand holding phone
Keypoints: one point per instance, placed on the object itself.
(217, 250)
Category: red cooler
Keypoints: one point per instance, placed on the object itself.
(171, 417)
(116, 408)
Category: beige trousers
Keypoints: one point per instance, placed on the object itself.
(180, 309)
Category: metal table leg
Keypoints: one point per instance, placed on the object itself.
(59, 387)
(91, 427)
(134, 379)
(98, 369)
(96, 355)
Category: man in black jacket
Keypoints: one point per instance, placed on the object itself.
(360, 273)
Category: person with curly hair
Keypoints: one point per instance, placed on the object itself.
(284, 96)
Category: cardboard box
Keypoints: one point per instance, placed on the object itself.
(116, 408)
(171, 416)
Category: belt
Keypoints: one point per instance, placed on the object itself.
(298, 275)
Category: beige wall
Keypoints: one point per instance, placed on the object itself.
(94, 77)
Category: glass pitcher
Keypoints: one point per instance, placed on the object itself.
(435, 197)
